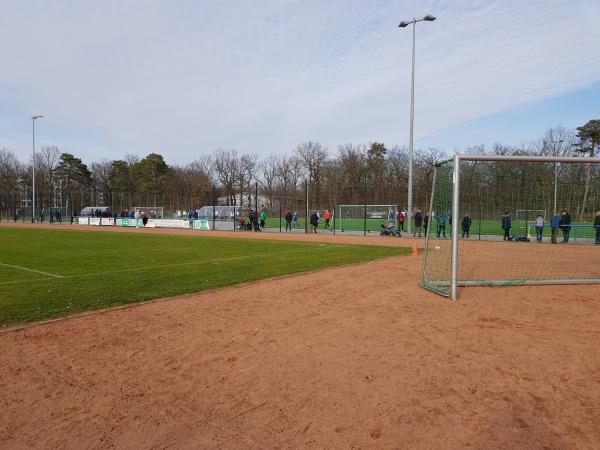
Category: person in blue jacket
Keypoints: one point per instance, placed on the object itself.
(506, 225)
(441, 224)
(554, 222)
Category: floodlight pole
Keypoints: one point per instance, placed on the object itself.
(427, 18)
(33, 119)
(411, 141)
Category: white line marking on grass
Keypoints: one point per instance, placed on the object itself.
(161, 266)
(31, 270)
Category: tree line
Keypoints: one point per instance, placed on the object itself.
(368, 173)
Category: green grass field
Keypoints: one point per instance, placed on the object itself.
(52, 273)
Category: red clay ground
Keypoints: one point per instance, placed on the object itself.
(349, 357)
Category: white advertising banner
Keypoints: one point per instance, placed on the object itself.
(83, 220)
(107, 221)
(94, 220)
(151, 223)
(172, 223)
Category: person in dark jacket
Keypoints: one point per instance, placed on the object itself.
(466, 225)
(565, 225)
(418, 223)
(554, 227)
(597, 227)
(314, 221)
(288, 220)
(253, 216)
(425, 223)
(506, 225)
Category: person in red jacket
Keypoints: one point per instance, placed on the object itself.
(400, 216)
(327, 216)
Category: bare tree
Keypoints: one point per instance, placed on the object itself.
(269, 169)
(226, 167)
(313, 157)
(47, 162)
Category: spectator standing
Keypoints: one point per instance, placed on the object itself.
(565, 225)
(597, 227)
(136, 215)
(288, 220)
(295, 220)
(401, 217)
(16, 215)
(263, 218)
(441, 224)
(425, 223)
(418, 223)
(554, 223)
(144, 219)
(539, 228)
(314, 221)
(466, 225)
(254, 220)
(327, 217)
(58, 216)
(506, 225)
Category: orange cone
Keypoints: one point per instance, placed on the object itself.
(415, 250)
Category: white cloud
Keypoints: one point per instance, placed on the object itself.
(182, 78)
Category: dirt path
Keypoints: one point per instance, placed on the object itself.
(355, 357)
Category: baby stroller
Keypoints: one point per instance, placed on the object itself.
(387, 229)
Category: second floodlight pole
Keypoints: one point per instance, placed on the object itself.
(410, 143)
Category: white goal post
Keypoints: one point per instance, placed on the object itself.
(445, 280)
(529, 214)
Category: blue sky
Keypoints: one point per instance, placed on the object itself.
(184, 77)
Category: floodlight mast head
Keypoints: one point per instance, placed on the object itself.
(36, 117)
(429, 18)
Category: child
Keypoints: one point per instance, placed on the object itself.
(539, 228)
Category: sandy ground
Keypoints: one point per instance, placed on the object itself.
(354, 357)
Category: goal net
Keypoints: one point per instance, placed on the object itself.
(364, 217)
(495, 221)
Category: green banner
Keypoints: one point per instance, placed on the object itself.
(201, 224)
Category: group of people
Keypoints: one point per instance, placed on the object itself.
(290, 219)
(421, 222)
(562, 222)
(558, 222)
(256, 221)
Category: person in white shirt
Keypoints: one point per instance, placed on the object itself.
(539, 228)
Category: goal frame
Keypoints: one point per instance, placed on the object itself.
(458, 158)
(527, 211)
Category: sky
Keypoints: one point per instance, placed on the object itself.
(185, 77)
